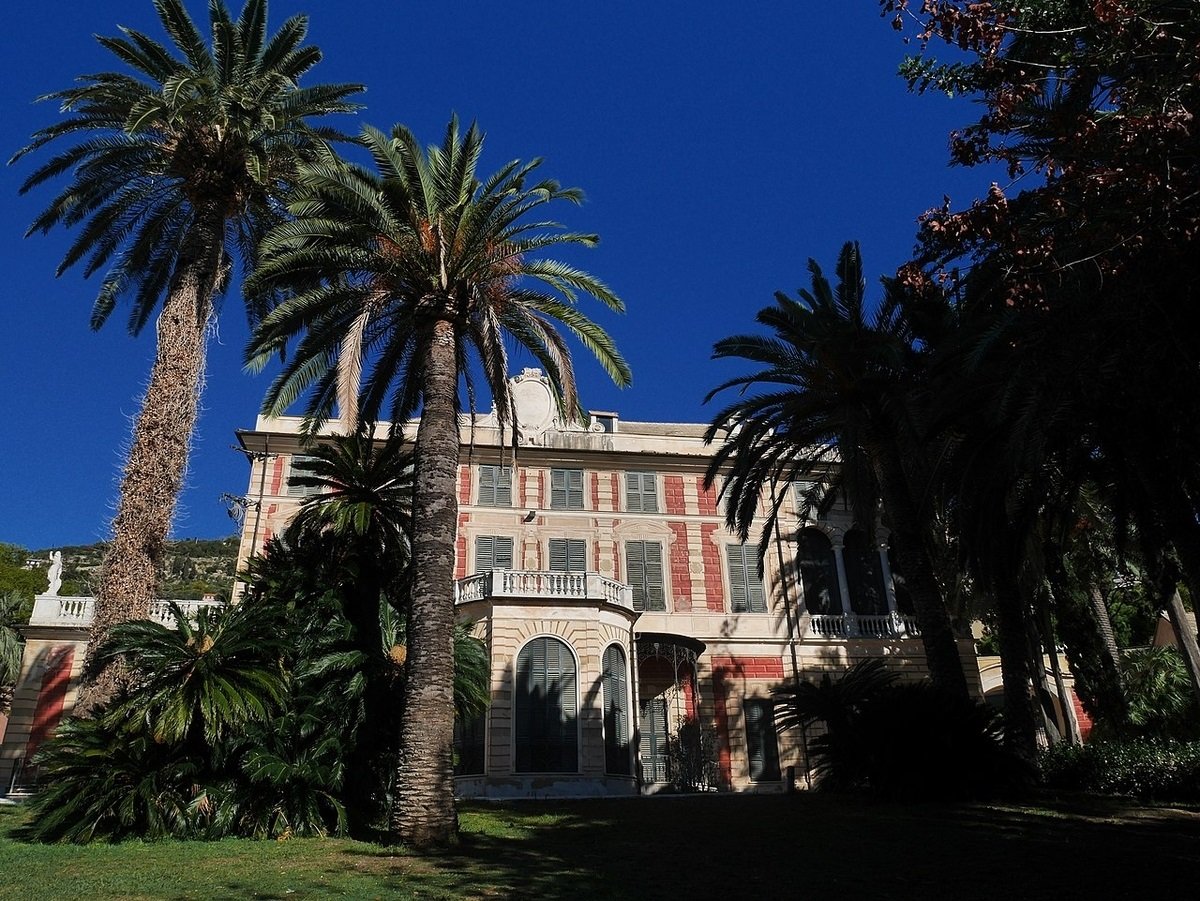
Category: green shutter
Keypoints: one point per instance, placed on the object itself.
(644, 573)
(641, 492)
(761, 746)
(566, 489)
(493, 552)
(546, 714)
(746, 594)
(495, 486)
(616, 712)
(568, 555)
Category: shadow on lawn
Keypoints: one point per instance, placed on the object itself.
(816, 846)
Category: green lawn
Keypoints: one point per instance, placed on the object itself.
(805, 846)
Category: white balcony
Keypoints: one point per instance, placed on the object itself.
(78, 613)
(542, 585)
(855, 625)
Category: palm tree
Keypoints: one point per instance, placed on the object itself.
(838, 396)
(363, 508)
(423, 270)
(178, 165)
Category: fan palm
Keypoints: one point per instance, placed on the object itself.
(837, 396)
(177, 165)
(423, 271)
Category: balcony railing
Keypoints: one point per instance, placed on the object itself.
(855, 625)
(542, 585)
(78, 613)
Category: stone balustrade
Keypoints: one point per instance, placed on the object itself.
(78, 612)
(544, 585)
(856, 625)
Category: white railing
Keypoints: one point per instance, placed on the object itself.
(856, 625)
(543, 585)
(78, 613)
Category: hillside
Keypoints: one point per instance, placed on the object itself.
(194, 567)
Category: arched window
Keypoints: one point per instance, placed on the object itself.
(616, 713)
(864, 576)
(547, 739)
(818, 573)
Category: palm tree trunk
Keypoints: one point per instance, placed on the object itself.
(1020, 703)
(937, 632)
(158, 455)
(424, 815)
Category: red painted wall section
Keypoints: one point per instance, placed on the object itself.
(708, 499)
(594, 478)
(681, 576)
(673, 488)
(51, 696)
(749, 667)
(1085, 720)
(616, 493)
(277, 476)
(714, 585)
(464, 484)
(524, 480)
(460, 547)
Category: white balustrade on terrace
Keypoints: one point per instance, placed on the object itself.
(78, 613)
(856, 625)
(543, 585)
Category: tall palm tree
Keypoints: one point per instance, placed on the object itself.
(837, 393)
(178, 165)
(423, 271)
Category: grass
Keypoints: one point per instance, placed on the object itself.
(813, 846)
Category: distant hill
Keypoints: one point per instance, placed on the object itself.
(194, 567)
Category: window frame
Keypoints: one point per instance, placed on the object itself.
(501, 480)
(641, 493)
(646, 582)
(519, 693)
(570, 544)
(563, 497)
(300, 491)
(494, 538)
(748, 565)
(764, 732)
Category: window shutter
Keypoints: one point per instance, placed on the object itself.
(644, 573)
(546, 712)
(568, 555)
(616, 714)
(745, 587)
(493, 552)
(761, 747)
(495, 486)
(641, 492)
(566, 489)
(298, 469)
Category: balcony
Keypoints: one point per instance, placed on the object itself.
(542, 585)
(78, 613)
(855, 625)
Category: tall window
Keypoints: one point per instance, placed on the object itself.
(495, 486)
(546, 718)
(746, 593)
(299, 469)
(644, 573)
(864, 577)
(761, 746)
(566, 489)
(641, 492)
(493, 552)
(470, 745)
(616, 713)
(568, 555)
(818, 573)
(904, 602)
(654, 744)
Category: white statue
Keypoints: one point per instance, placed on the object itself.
(54, 574)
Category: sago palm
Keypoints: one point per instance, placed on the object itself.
(834, 391)
(420, 272)
(177, 166)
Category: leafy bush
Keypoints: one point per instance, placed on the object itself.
(1150, 770)
(901, 741)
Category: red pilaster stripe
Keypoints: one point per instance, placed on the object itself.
(277, 476)
(464, 484)
(681, 576)
(721, 718)
(673, 488)
(51, 696)
(460, 547)
(708, 498)
(714, 585)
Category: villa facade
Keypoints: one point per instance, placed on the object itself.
(634, 644)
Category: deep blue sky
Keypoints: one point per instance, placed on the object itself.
(720, 145)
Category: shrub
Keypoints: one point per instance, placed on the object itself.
(1150, 770)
